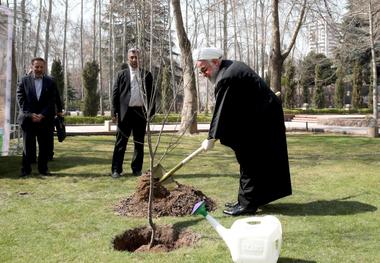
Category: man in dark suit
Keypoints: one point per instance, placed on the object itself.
(36, 95)
(132, 104)
(248, 118)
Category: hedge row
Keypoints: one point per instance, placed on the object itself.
(203, 118)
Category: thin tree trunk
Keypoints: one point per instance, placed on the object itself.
(66, 98)
(38, 30)
(125, 55)
(94, 33)
(100, 59)
(374, 70)
(110, 57)
(47, 33)
(172, 69)
(225, 31)
(255, 39)
(262, 50)
(81, 45)
(23, 33)
(189, 114)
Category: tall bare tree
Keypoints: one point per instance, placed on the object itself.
(189, 113)
(100, 59)
(38, 30)
(64, 56)
(374, 69)
(47, 34)
(277, 56)
(94, 33)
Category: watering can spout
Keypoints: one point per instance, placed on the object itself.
(200, 209)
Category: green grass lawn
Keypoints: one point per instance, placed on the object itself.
(332, 215)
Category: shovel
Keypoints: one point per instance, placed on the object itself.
(159, 171)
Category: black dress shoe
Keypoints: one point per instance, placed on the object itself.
(231, 204)
(240, 210)
(24, 174)
(46, 173)
(136, 173)
(115, 174)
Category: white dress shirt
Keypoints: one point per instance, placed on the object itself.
(136, 88)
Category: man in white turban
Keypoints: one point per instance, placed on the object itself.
(248, 118)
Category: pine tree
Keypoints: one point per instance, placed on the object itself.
(57, 74)
(290, 86)
(166, 94)
(339, 88)
(90, 83)
(319, 97)
(357, 83)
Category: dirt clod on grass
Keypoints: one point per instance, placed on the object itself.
(177, 202)
(166, 239)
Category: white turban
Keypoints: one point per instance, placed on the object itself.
(208, 53)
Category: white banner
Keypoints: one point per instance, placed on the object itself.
(6, 31)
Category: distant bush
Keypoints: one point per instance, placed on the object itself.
(203, 118)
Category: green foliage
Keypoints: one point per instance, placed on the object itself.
(166, 92)
(307, 74)
(357, 83)
(290, 85)
(319, 96)
(328, 111)
(58, 75)
(90, 83)
(339, 88)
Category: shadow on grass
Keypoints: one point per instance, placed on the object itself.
(187, 223)
(208, 175)
(320, 208)
(11, 165)
(294, 260)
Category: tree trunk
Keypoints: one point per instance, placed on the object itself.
(374, 70)
(47, 33)
(23, 33)
(110, 57)
(38, 30)
(66, 97)
(81, 47)
(189, 114)
(94, 32)
(225, 31)
(100, 60)
(277, 58)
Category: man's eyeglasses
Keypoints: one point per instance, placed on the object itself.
(203, 70)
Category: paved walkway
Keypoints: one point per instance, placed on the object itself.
(298, 126)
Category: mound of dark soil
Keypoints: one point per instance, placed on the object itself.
(176, 202)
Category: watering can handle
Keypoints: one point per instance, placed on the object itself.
(179, 165)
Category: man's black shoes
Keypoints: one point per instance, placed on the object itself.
(115, 174)
(231, 204)
(46, 173)
(136, 173)
(24, 174)
(238, 210)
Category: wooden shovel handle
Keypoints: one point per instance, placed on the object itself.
(179, 165)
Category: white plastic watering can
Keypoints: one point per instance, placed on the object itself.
(250, 240)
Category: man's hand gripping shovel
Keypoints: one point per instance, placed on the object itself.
(166, 177)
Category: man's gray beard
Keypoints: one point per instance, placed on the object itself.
(213, 77)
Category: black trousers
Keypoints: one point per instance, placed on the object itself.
(135, 123)
(41, 132)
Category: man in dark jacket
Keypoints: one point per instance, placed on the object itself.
(248, 118)
(132, 104)
(36, 95)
